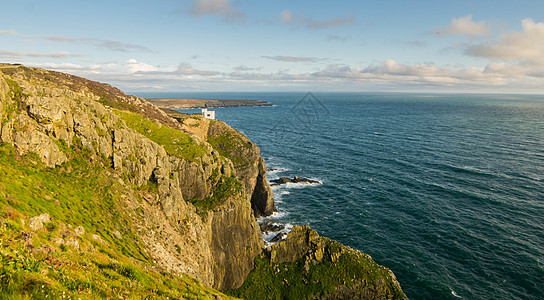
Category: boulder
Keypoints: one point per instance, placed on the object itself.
(36, 223)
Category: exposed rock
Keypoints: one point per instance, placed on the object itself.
(54, 115)
(3, 99)
(356, 275)
(80, 230)
(250, 167)
(296, 179)
(298, 243)
(278, 237)
(236, 240)
(36, 223)
(270, 227)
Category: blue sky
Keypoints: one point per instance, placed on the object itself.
(248, 45)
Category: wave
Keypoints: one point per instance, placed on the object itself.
(470, 170)
(455, 294)
(298, 185)
(276, 170)
(274, 216)
(267, 237)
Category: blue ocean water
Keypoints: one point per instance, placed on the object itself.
(445, 190)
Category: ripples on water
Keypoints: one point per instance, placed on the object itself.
(447, 191)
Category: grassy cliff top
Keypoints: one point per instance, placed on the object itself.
(86, 248)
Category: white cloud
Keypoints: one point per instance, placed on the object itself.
(389, 74)
(135, 66)
(464, 26)
(527, 44)
(287, 17)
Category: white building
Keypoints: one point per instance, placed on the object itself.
(208, 114)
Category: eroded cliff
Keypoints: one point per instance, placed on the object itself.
(103, 195)
(197, 217)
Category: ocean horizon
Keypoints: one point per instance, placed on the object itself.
(446, 190)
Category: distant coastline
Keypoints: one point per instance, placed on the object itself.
(201, 103)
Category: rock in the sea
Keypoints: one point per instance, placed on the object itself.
(296, 179)
(278, 237)
(270, 227)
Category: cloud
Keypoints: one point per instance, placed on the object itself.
(8, 32)
(244, 68)
(18, 54)
(287, 17)
(134, 66)
(106, 44)
(425, 74)
(390, 74)
(294, 58)
(222, 8)
(464, 26)
(527, 44)
(187, 69)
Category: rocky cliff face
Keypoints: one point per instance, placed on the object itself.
(43, 112)
(157, 196)
(308, 266)
(249, 165)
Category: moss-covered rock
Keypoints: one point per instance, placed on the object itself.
(307, 266)
(249, 165)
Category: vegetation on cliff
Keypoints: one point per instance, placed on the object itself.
(307, 266)
(103, 195)
(148, 195)
(86, 247)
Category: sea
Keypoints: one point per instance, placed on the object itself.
(446, 190)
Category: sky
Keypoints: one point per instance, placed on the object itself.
(249, 45)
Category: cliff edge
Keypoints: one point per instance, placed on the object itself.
(103, 195)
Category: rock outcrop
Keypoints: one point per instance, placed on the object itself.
(249, 165)
(296, 179)
(308, 266)
(45, 112)
(184, 191)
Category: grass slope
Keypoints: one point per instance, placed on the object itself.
(106, 261)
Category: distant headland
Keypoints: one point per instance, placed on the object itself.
(201, 103)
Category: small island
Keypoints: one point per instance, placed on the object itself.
(201, 103)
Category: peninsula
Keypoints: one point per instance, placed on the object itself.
(201, 103)
(104, 196)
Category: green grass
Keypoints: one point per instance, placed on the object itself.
(231, 144)
(33, 265)
(292, 280)
(175, 142)
(225, 188)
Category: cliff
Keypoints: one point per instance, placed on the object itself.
(170, 181)
(103, 195)
(308, 266)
